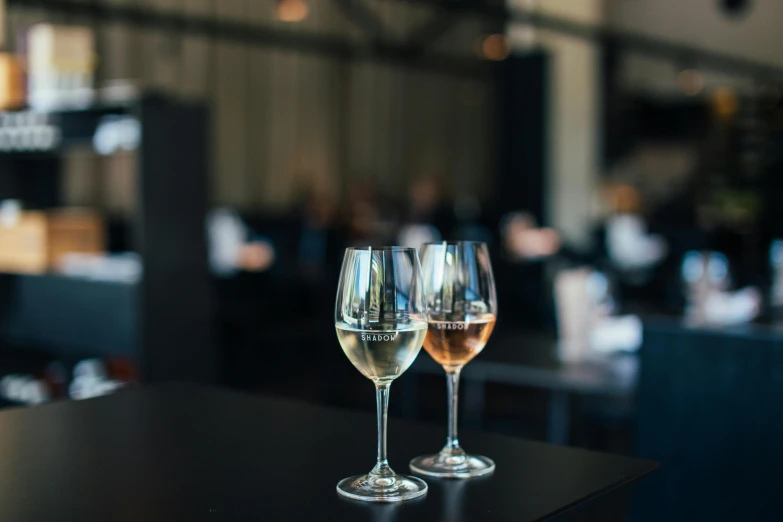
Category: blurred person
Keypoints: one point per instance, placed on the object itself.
(717, 209)
(417, 225)
(468, 213)
(523, 240)
(320, 239)
(231, 248)
(628, 245)
(425, 218)
(413, 236)
(522, 266)
(623, 246)
(257, 255)
(363, 217)
(424, 199)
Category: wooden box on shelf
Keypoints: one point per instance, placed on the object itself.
(37, 240)
(12, 93)
(23, 244)
(74, 230)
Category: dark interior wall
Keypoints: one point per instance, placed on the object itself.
(522, 100)
(285, 119)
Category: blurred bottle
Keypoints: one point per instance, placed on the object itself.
(60, 66)
(27, 131)
(124, 267)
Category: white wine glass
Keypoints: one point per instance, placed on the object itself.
(462, 308)
(381, 321)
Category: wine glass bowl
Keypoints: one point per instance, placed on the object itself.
(381, 322)
(455, 341)
(462, 308)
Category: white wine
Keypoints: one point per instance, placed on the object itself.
(382, 354)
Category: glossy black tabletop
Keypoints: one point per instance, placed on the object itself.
(180, 452)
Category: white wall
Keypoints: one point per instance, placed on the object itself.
(754, 35)
(757, 35)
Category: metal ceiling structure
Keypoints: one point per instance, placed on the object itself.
(602, 35)
(377, 45)
(413, 50)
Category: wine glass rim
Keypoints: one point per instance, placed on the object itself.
(381, 248)
(451, 243)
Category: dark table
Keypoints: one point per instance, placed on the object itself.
(530, 360)
(180, 452)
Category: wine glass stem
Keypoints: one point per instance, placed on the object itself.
(382, 402)
(452, 384)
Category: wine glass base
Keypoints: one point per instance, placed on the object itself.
(403, 487)
(443, 466)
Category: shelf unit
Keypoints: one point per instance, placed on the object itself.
(164, 321)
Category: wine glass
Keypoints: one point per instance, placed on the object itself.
(381, 321)
(460, 294)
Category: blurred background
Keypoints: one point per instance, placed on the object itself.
(179, 179)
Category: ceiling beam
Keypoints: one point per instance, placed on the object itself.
(604, 35)
(431, 30)
(363, 17)
(337, 47)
